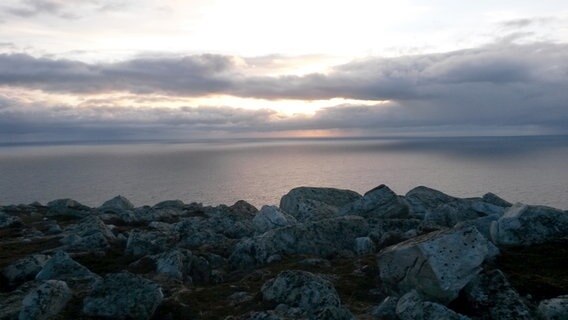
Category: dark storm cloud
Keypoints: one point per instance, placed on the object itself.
(502, 85)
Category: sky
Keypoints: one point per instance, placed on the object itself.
(172, 69)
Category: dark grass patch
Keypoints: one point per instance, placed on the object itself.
(538, 270)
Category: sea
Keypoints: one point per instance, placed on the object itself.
(532, 170)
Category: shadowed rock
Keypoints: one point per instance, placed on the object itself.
(270, 217)
(306, 291)
(312, 204)
(123, 296)
(322, 238)
(490, 293)
(523, 225)
(116, 204)
(380, 202)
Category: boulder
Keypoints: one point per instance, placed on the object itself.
(438, 265)
(412, 306)
(270, 217)
(45, 301)
(24, 269)
(142, 243)
(116, 204)
(554, 309)
(364, 245)
(90, 234)
(169, 204)
(181, 264)
(123, 296)
(8, 221)
(312, 204)
(304, 290)
(386, 310)
(62, 267)
(380, 202)
(244, 208)
(447, 210)
(322, 238)
(67, 208)
(482, 224)
(491, 294)
(496, 200)
(524, 225)
(423, 199)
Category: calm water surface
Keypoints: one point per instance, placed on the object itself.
(531, 170)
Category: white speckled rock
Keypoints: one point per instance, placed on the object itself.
(312, 204)
(304, 290)
(438, 265)
(554, 309)
(321, 238)
(411, 306)
(270, 217)
(24, 269)
(123, 296)
(524, 225)
(62, 267)
(45, 301)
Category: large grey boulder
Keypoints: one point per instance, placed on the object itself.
(364, 245)
(24, 269)
(67, 208)
(491, 294)
(446, 210)
(270, 217)
(116, 204)
(412, 306)
(524, 225)
(554, 309)
(438, 265)
(123, 296)
(304, 290)
(90, 234)
(423, 199)
(312, 204)
(321, 238)
(62, 267)
(45, 301)
(380, 202)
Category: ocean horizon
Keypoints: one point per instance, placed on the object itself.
(528, 169)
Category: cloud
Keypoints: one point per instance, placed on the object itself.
(501, 85)
(61, 8)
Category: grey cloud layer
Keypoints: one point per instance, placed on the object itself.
(498, 85)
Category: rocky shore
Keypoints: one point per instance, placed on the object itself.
(322, 254)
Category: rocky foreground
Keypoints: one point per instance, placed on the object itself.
(323, 254)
